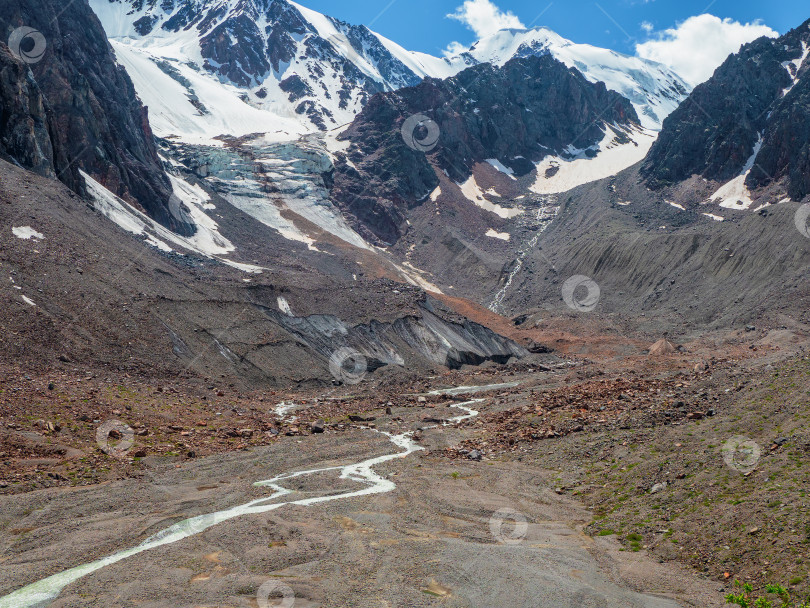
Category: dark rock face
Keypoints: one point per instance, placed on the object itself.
(756, 92)
(523, 111)
(785, 152)
(85, 103)
(296, 87)
(24, 136)
(242, 53)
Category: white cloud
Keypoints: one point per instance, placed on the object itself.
(485, 18)
(453, 49)
(647, 26)
(696, 47)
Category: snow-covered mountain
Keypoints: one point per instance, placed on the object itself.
(216, 67)
(654, 89)
(254, 100)
(207, 68)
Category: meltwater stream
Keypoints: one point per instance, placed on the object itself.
(41, 593)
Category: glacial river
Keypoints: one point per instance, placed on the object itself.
(41, 593)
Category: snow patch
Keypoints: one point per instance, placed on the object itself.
(414, 276)
(434, 196)
(501, 167)
(504, 236)
(676, 205)
(735, 194)
(26, 233)
(28, 300)
(284, 306)
(206, 241)
(716, 218)
(794, 66)
(577, 167)
(158, 244)
(473, 192)
(171, 111)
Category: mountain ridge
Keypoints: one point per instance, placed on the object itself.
(308, 71)
(513, 115)
(746, 127)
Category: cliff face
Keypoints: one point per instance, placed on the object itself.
(785, 153)
(530, 107)
(74, 108)
(24, 121)
(761, 93)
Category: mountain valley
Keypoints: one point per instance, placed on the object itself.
(294, 314)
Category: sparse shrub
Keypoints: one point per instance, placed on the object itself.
(746, 598)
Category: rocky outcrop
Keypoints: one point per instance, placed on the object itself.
(762, 91)
(429, 335)
(785, 152)
(85, 103)
(531, 107)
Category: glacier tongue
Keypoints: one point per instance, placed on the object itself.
(274, 182)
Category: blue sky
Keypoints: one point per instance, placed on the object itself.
(422, 25)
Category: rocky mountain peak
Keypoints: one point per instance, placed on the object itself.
(748, 122)
(516, 115)
(279, 53)
(282, 56)
(73, 109)
(654, 89)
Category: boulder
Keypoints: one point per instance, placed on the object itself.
(662, 347)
